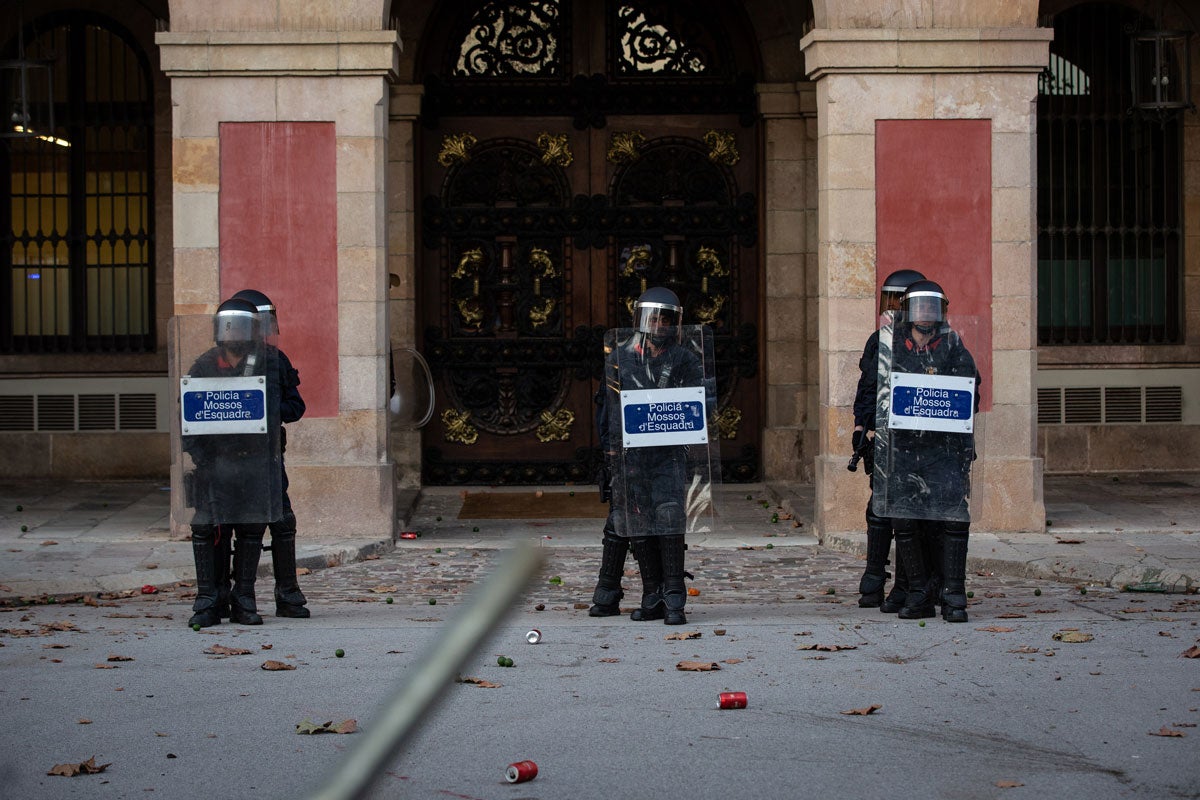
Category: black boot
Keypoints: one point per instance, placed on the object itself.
(879, 545)
(204, 552)
(243, 609)
(674, 592)
(954, 571)
(917, 602)
(289, 600)
(224, 552)
(606, 599)
(649, 557)
(895, 598)
(929, 534)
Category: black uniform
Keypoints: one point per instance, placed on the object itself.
(651, 502)
(233, 472)
(929, 477)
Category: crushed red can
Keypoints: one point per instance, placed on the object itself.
(520, 771)
(149, 588)
(408, 535)
(732, 699)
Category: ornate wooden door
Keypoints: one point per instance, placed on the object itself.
(546, 212)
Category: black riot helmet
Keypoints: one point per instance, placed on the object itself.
(894, 287)
(925, 306)
(236, 325)
(266, 309)
(658, 314)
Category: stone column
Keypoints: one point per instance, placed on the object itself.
(789, 196)
(299, 64)
(924, 73)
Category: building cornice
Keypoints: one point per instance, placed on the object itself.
(925, 50)
(279, 53)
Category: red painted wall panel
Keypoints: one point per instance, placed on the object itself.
(278, 227)
(933, 183)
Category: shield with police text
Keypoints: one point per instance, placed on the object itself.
(927, 425)
(659, 407)
(226, 465)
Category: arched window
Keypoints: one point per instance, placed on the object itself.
(1110, 240)
(77, 260)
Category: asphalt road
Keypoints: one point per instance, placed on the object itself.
(994, 708)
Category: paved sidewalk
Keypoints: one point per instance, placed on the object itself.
(64, 538)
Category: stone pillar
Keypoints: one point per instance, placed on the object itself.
(789, 196)
(295, 64)
(864, 75)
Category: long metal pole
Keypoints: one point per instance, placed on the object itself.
(403, 712)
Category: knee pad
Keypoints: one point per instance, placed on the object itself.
(284, 525)
(904, 528)
(875, 520)
(956, 528)
(669, 519)
(204, 533)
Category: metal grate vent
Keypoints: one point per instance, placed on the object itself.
(1049, 410)
(1081, 405)
(97, 412)
(16, 412)
(56, 412)
(139, 412)
(1122, 404)
(1164, 404)
(1109, 405)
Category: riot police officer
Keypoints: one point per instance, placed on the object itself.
(929, 473)
(652, 505)
(606, 598)
(289, 600)
(230, 471)
(879, 529)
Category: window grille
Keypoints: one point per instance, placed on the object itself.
(1110, 238)
(76, 263)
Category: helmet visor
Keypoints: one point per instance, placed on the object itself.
(656, 318)
(925, 307)
(235, 326)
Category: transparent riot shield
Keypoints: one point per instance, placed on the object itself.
(659, 406)
(412, 401)
(225, 430)
(926, 422)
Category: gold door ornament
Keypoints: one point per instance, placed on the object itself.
(456, 147)
(471, 312)
(722, 148)
(710, 262)
(556, 427)
(458, 427)
(710, 309)
(539, 313)
(728, 421)
(556, 150)
(624, 147)
(469, 263)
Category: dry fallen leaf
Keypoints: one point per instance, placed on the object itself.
(89, 767)
(1024, 649)
(732, 661)
(275, 666)
(1072, 637)
(1010, 615)
(114, 657)
(996, 629)
(1164, 731)
(609, 660)
(222, 650)
(83, 721)
(480, 682)
(106, 666)
(1191, 652)
(693, 591)
(828, 648)
(1008, 784)
(697, 666)
(384, 589)
(308, 726)
(682, 635)
(862, 712)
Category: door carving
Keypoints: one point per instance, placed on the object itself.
(538, 233)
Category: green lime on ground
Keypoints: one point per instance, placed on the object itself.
(769, 545)
(1083, 590)
(831, 590)
(921, 623)
(749, 497)
(1037, 592)
(20, 508)
(24, 528)
(437, 549)
(339, 652)
(508, 662)
(195, 626)
(433, 601)
(500, 661)
(389, 601)
(475, 529)
(970, 594)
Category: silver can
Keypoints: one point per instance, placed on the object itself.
(534, 636)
